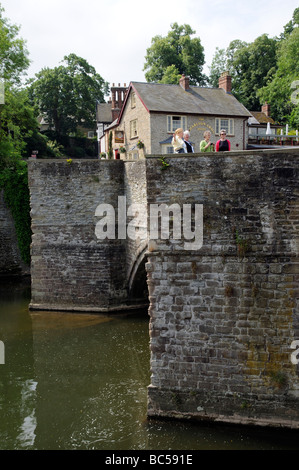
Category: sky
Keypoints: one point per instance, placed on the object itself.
(113, 35)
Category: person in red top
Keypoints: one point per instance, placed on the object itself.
(222, 145)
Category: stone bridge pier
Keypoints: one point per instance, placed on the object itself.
(222, 285)
(73, 267)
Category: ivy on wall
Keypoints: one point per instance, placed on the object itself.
(14, 182)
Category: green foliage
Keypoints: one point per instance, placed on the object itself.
(14, 182)
(164, 163)
(279, 91)
(171, 75)
(67, 94)
(176, 54)
(291, 25)
(255, 65)
(223, 61)
(56, 149)
(250, 66)
(13, 52)
(265, 70)
(18, 124)
(110, 150)
(294, 118)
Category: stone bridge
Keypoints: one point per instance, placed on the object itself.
(224, 329)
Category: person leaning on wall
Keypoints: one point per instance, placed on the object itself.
(223, 144)
(206, 145)
(178, 142)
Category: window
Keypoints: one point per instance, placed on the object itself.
(133, 156)
(253, 131)
(167, 149)
(133, 100)
(227, 124)
(90, 134)
(175, 122)
(133, 129)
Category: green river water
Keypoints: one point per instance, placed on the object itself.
(79, 382)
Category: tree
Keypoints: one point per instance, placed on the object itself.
(18, 125)
(176, 54)
(67, 95)
(254, 66)
(251, 66)
(15, 115)
(290, 26)
(110, 149)
(223, 61)
(14, 59)
(282, 90)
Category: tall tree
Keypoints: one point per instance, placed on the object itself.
(14, 59)
(176, 54)
(291, 25)
(254, 66)
(15, 114)
(17, 122)
(282, 92)
(67, 95)
(223, 61)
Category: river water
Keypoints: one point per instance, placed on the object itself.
(79, 382)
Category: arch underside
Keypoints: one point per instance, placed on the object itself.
(137, 282)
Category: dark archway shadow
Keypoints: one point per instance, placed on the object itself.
(138, 290)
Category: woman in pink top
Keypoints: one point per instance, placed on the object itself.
(222, 145)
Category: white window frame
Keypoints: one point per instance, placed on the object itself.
(133, 100)
(167, 149)
(133, 129)
(133, 155)
(181, 121)
(225, 123)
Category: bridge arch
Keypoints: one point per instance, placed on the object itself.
(137, 278)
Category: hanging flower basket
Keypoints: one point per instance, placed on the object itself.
(122, 149)
(140, 144)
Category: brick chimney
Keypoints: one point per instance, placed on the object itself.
(184, 82)
(118, 97)
(266, 109)
(225, 82)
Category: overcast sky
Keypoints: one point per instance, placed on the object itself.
(113, 35)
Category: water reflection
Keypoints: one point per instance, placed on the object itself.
(73, 381)
(27, 434)
(92, 375)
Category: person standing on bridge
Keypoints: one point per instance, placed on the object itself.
(189, 146)
(178, 142)
(206, 145)
(223, 145)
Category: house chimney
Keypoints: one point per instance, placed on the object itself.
(266, 109)
(225, 82)
(118, 98)
(184, 82)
